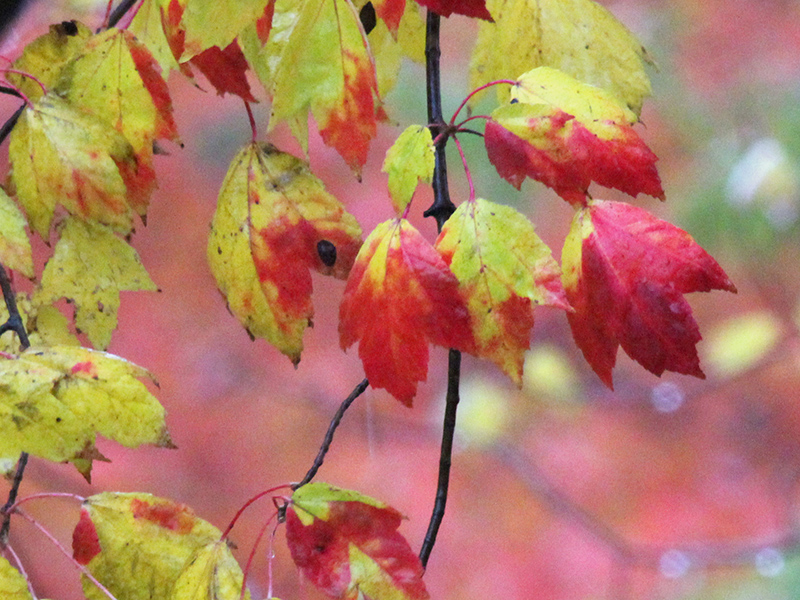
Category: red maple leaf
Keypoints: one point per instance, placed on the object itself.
(470, 8)
(400, 297)
(625, 273)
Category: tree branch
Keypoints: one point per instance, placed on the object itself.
(120, 11)
(15, 324)
(326, 443)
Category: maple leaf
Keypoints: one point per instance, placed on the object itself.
(45, 56)
(347, 544)
(91, 266)
(63, 156)
(148, 27)
(470, 8)
(15, 247)
(625, 273)
(274, 223)
(56, 400)
(579, 37)
(13, 585)
(391, 13)
(141, 547)
(337, 81)
(225, 69)
(399, 298)
(114, 77)
(410, 159)
(567, 134)
(503, 269)
(388, 48)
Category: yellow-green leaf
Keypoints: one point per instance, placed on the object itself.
(389, 50)
(63, 156)
(274, 222)
(410, 159)
(55, 400)
(90, 267)
(15, 247)
(579, 37)
(503, 270)
(212, 574)
(216, 22)
(148, 29)
(138, 545)
(46, 55)
(12, 583)
(45, 324)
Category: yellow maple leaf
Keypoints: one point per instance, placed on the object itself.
(90, 266)
(140, 546)
(45, 56)
(15, 247)
(274, 222)
(409, 160)
(211, 573)
(580, 37)
(45, 324)
(12, 583)
(63, 156)
(148, 29)
(56, 400)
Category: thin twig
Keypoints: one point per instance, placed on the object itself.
(9, 124)
(120, 11)
(445, 456)
(12, 499)
(326, 443)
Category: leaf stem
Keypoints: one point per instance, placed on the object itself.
(475, 91)
(252, 120)
(466, 169)
(326, 442)
(445, 455)
(247, 504)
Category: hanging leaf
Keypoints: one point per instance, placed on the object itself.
(142, 547)
(470, 8)
(337, 82)
(389, 48)
(90, 267)
(567, 134)
(578, 37)
(399, 298)
(56, 400)
(410, 159)
(15, 247)
(63, 156)
(347, 544)
(12, 583)
(225, 69)
(273, 219)
(148, 27)
(45, 56)
(625, 273)
(503, 270)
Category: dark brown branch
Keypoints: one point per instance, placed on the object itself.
(15, 324)
(120, 11)
(9, 124)
(326, 443)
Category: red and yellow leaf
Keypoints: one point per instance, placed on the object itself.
(390, 12)
(503, 270)
(274, 223)
(625, 273)
(56, 400)
(567, 134)
(337, 80)
(63, 156)
(142, 547)
(579, 37)
(347, 545)
(470, 8)
(399, 298)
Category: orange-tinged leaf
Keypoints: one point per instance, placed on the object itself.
(470, 8)
(625, 273)
(148, 28)
(567, 134)
(274, 223)
(337, 82)
(115, 77)
(45, 56)
(410, 159)
(91, 266)
(503, 270)
(13, 585)
(15, 247)
(56, 400)
(347, 544)
(580, 37)
(143, 547)
(399, 298)
(390, 12)
(63, 156)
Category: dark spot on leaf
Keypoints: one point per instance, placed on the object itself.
(327, 252)
(69, 28)
(219, 249)
(368, 17)
(58, 419)
(514, 101)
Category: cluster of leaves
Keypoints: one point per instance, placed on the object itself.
(570, 91)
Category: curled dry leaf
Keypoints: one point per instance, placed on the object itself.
(273, 217)
(625, 273)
